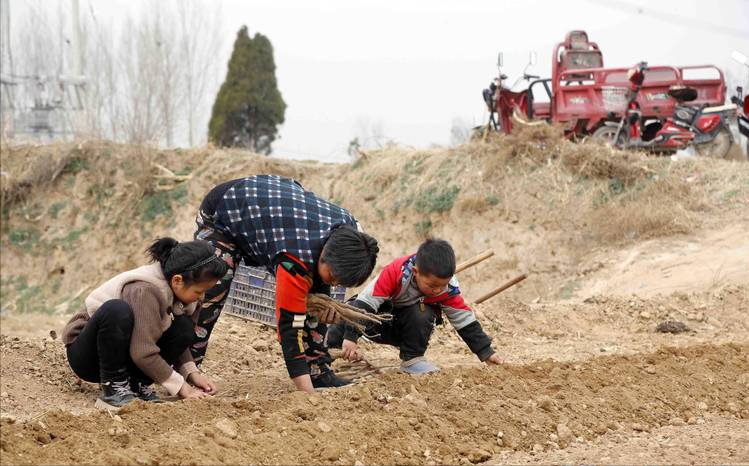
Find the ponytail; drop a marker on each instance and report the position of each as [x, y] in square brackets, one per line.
[161, 249]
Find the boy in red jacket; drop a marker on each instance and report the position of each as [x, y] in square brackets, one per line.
[418, 290]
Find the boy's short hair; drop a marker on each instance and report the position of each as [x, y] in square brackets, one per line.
[351, 255]
[436, 257]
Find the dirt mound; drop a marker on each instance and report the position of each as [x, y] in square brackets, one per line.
[456, 416]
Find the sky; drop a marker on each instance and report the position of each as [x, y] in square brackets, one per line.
[412, 67]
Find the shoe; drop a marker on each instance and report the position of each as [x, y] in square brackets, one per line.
[144, 391]
[328, 379]
[418, 366]
[115, 395]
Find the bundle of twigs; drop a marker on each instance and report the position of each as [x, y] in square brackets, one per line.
[317, 303]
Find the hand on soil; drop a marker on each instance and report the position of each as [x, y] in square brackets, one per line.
[203, 383]
[494, 359]
[350, 351]
[188, 391]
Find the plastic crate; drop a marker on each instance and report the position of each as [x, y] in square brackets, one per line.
[252, 295]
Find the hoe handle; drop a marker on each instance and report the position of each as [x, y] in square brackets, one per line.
[496, 291]
[474, 260]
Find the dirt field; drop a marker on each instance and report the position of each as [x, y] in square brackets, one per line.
[587, 378]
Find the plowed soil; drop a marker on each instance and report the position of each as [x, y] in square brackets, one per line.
[565, 395]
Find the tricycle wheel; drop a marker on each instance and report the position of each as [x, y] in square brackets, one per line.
[718, 147]
[607, 134]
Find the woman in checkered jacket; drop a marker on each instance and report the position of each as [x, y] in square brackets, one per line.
[308, 243]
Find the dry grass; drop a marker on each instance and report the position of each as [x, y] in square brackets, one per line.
[536, 177]
[22, 171]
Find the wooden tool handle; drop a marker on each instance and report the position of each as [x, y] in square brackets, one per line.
[496, 291]
[474, 260]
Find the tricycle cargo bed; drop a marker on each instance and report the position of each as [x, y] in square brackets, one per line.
[578, 93]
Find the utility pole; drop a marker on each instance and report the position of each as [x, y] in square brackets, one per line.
[7, 80]
[76, 45]
[7, 56]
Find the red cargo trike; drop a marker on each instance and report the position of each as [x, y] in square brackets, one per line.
[590, 100]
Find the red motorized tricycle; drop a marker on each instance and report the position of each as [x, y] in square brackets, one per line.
[677, 106]
[689, 124]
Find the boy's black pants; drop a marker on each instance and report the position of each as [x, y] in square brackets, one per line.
[102, 350]
[409, 330]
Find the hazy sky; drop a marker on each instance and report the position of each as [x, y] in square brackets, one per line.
[413, 66]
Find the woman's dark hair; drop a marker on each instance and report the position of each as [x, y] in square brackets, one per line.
[436, 257]
[196, 261]
[351, 255]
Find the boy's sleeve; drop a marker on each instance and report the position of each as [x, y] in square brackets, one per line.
[374, 294]
[292, 286]
[463, 319]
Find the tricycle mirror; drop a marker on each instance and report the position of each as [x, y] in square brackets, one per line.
[739, 57]
[499, 59]
[532, 58]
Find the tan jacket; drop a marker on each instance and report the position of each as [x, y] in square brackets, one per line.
[153, 303]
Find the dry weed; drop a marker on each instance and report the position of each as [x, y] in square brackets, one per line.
[595, 160]
[28, 167]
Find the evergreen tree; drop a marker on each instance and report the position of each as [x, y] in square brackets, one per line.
[249, 106]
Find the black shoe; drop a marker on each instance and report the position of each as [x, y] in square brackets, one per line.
[114, 395]
[328, 379]
[144, 391]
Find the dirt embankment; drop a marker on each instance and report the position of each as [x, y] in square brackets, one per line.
[76, 214]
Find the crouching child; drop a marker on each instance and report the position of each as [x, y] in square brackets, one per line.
[418, 290]
[137, 327]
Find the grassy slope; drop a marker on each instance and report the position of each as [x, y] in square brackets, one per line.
[73, 215]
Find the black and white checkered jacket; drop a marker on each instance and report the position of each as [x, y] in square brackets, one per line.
[268, 214]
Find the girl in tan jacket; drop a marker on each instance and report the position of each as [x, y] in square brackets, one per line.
[137, 327]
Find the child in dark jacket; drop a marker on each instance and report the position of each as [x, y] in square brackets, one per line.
[136, 328]
[417, 289]
[306, 242]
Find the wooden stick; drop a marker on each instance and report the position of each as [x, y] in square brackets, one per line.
[496, 291]
[474, 260]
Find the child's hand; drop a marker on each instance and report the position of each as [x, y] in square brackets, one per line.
[328, 316]
[203, 383]
[493, 360]
[350, 350]
[188, 391]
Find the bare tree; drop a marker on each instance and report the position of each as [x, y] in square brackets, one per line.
[199, 22]
[169, 91]
[149, 77]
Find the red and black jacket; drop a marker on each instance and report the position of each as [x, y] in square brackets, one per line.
[396, 284]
